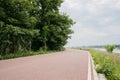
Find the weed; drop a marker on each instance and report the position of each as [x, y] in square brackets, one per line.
[23, 54]
[109, 64]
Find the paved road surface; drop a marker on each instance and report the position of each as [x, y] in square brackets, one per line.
[66, 65]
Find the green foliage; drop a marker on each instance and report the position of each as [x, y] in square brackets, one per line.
[110, 48]
[108, 64]
[16, 26]
[54, 27]
[23, 54]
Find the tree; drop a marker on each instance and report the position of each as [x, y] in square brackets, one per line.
[32, 25]
[59, 31]
[17, 25]
[54, 27]
[110, 48]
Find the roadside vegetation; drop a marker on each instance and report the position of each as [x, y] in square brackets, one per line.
[108, 64]
[23, 54]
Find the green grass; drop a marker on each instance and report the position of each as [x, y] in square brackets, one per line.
[23, 54]
[109, 64]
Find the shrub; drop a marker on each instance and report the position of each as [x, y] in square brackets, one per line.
[109, 48]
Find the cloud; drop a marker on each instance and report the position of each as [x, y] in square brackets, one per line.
[97, 21]
[72, 3]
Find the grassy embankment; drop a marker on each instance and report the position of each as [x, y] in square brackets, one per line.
[23, 54]
[108, 64]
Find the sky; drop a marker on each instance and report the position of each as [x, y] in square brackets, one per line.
[97, 21]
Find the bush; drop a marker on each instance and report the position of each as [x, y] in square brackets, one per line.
[109, 48]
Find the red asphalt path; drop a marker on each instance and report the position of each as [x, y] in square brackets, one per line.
[65, 65]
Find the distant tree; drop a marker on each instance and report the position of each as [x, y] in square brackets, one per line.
[109, 48]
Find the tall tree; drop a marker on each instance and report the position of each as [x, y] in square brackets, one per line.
[54, 27]
[36, 24]
[17, 25]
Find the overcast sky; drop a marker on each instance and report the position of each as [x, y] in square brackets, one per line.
[97, 21]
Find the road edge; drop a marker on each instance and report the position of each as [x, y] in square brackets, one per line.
[89, 67]
[92, 74]
[95, 76]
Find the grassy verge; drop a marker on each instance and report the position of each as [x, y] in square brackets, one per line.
[23, 54]
[108, 64]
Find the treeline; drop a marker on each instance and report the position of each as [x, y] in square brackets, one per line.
[32, 25]
[101, 46]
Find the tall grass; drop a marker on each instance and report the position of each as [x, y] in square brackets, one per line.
[108, 64]
[23, 54]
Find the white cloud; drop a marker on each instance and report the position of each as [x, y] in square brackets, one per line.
[112, 30]
[72, 3]
[96, 21]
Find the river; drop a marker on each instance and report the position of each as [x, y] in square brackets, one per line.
[116, 50]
